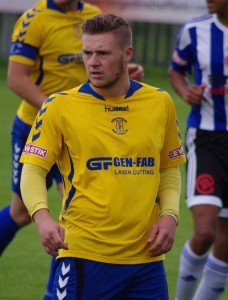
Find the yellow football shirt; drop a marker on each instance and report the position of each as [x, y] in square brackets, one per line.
[49, 39]
[110, 152]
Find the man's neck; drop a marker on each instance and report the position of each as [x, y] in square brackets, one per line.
[115, 91]
[71, 6]
[223, 18]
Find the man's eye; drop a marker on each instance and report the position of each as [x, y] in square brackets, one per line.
[87, 53]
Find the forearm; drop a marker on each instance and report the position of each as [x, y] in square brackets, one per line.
[33, 188]
[179, 82]
[20, 83]
[191, 93]
[169, 191]
[28, 91]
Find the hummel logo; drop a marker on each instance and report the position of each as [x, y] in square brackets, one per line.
[62, 282]
[65, 269]
[61, 295]
[116, 108]
[16, 148]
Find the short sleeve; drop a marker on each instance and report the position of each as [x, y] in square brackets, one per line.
[44, 143]
[172, 153]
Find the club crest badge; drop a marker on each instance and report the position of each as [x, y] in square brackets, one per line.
[119, 126]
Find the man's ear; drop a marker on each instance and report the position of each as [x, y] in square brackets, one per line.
[128, 53]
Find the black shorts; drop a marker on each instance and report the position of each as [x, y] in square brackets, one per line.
[207, 168]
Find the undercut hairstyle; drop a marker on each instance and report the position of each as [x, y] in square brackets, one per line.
[104, 23]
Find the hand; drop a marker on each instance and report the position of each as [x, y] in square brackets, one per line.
[50, 232]
[194, 94]
[136, 71]
[162, 235]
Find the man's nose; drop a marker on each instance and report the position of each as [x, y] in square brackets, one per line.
[94, 59]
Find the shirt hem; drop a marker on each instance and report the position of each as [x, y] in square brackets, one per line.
[111, 260]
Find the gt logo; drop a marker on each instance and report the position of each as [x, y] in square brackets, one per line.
[99, 163]
[67, 58]
[103, 163]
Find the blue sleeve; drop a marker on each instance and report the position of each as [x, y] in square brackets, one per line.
[22, 49]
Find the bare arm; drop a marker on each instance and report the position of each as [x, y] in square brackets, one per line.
[20, 83]
[191, 94]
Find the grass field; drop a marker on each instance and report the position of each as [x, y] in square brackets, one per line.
[24, 266]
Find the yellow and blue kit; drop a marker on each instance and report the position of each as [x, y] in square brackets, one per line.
[110, 153]
[49, 39]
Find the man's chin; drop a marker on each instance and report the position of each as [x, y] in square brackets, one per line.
[99, 84]
[96, 83]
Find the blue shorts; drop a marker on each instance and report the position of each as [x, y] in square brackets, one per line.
[82, 279]
[20, 132]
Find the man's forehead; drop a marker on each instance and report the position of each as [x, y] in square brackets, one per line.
[100, 41]
[99, 36]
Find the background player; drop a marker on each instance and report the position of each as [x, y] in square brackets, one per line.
[203, 44]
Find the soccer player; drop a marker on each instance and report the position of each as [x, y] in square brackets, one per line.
[117, 145]
[202, 44]
[46, 56]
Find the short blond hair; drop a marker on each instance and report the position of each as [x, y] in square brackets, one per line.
[107, 22]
